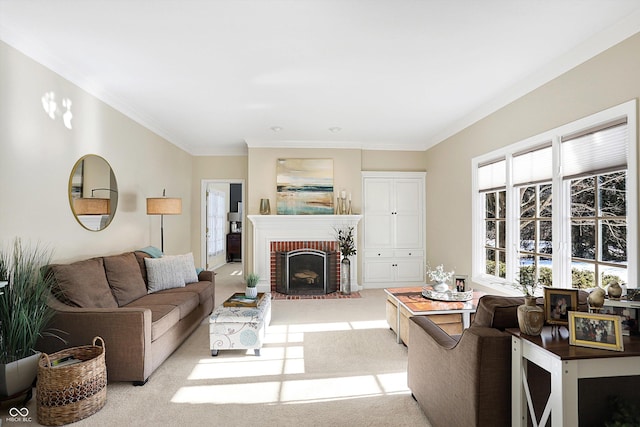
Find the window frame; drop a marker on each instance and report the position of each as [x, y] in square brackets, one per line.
[561, 224]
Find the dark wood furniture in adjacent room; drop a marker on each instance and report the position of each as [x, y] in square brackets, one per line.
[234, 247]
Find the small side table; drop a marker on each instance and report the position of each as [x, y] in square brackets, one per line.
[566, 364]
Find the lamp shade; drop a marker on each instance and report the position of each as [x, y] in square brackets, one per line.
[235, 217]
[164, 206]
[91, 206]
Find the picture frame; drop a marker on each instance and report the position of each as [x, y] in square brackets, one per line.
[633, 294]
[628, 318]
[595, 330]
[460, 283]
[557, 305]
[304, 186]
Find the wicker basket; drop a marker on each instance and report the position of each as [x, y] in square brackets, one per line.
[66, 394]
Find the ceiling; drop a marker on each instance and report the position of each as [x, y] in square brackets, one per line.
[214, 77]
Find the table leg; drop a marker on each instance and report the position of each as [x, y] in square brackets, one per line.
[466, 319]
[398, 340]
[517, 396]
[564, 393]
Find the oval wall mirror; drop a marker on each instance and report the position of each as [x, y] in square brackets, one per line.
[93, 192]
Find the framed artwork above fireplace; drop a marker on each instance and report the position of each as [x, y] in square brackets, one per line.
[304, 187]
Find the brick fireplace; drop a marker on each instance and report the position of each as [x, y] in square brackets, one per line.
[274, 233]
[316, 265]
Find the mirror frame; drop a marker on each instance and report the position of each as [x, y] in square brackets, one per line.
[113, 193]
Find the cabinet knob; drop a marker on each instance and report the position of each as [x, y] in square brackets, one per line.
[409, 253]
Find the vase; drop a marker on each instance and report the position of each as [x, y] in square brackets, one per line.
[265, 207]
[530, 317]
[441, 287]
[614, 290]
[251, 292]
[345, 276]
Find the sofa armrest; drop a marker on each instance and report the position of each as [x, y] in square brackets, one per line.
[126, 332]
[460, 382]
[207, 276]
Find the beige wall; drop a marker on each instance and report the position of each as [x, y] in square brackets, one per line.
[608, 79]
[37, 155]
[394, 161]
[262, 180]
[347, 167]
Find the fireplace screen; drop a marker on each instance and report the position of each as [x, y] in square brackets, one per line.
[306, 272]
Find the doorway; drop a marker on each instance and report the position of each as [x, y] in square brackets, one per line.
[222, 216]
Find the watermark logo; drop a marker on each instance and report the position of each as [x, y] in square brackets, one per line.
[18, 415]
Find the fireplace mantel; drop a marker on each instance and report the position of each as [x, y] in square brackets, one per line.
[284, 228]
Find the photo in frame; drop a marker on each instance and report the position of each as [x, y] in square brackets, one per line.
[558, 303]
[628, 317]
[460, 283]
[633, 294]
[595, 330]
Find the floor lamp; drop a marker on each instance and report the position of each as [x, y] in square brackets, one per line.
[163, 206]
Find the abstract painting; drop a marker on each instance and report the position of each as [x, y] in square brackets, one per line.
[305, 186]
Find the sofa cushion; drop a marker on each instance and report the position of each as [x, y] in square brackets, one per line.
[203, 289]
[140, 256]
[164, 273]
[125, 280]
[83, 284]
[186, 302]
[163, 318]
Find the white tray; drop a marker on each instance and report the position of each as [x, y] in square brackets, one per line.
[447, 295]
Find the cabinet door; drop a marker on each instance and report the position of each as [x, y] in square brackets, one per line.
[378, 271]
[408, 201]
[378, 220]
[409, 270]
[378, 267]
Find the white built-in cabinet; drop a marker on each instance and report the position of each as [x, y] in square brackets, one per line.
[393, 226]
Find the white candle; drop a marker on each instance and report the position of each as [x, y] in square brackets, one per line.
[343, 194]
[349, 196]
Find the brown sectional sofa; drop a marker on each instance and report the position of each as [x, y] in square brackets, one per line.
[112, 297]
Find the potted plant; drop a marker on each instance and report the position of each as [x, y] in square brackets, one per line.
[251, 291]
[24, 314]
[530, 316]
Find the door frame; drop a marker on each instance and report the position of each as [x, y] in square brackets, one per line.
[203, 217]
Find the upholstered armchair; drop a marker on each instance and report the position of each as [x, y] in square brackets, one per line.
[465, 380]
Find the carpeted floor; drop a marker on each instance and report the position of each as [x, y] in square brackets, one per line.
[329, 362]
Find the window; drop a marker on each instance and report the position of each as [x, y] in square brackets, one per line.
[215, 222]
[559, 206]
[536, 242]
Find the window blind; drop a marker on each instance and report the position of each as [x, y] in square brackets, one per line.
[597, 150]
[492, 175]
[533, 166]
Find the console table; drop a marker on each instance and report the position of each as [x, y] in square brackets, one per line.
[566, 364]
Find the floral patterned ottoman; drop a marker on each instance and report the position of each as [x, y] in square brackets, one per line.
[239, 327]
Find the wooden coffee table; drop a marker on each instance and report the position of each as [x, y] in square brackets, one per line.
[403, 303]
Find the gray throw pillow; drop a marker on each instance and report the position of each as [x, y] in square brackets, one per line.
[164, 273]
